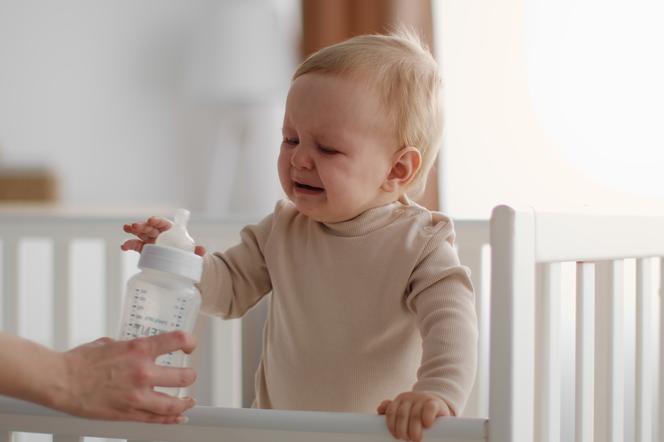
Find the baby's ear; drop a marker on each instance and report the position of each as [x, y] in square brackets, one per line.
[405, 164]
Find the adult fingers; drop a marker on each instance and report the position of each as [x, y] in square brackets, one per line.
[402, 419]
[415, 424]
[171, 341]
[173, 376]
[140, 415]
[164, 405]
[101, 341]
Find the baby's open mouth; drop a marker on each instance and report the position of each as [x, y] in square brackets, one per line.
[308, 188]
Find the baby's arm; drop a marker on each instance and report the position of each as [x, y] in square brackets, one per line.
[235, 280]
[232, 281]
[443, 301]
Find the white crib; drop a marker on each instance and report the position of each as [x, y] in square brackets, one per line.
[526, 397]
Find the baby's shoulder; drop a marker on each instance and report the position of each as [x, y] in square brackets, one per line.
[428, 223]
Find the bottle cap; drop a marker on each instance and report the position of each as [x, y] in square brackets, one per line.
[171, 260]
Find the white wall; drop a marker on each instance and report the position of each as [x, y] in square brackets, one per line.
[98, 92]
[550, 103]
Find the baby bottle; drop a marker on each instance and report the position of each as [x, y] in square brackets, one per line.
[162, 296]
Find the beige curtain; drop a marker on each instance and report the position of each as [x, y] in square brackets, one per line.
[325, 22]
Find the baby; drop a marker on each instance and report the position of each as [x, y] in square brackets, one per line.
[370, 309]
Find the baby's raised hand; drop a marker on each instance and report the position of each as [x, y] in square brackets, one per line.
[412, 411]
[148, 232]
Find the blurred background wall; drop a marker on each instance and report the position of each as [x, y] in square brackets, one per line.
[551, 103]
[163, 103]
[107, 97]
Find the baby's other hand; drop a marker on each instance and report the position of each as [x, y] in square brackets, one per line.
[412, 411]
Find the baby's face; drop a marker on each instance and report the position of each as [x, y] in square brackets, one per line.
[338, 147]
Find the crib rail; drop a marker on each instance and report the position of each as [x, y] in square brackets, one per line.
[219, 377]
[616, 353]
[228, 350]
[616, 318]
[211, 424]
[232, 348]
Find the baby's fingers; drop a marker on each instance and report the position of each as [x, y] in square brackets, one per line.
[145, 231]
[148, 230]
[415, 425]
[141, 230]
[161, 224]
[429, 413]
[403, 419]
[382, 408]
[133, 244]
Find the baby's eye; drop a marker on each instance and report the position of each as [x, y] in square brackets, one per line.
[291, 141]
[327, 150]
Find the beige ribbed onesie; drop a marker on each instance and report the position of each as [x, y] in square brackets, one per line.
[361, 310]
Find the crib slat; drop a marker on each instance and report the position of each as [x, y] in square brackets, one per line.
[113, 284]
[643, 384]
[660, 401]
[470, 254]
[10, 269]
[227, 385]
[609, 352]
[511, 396]
[585, 359]
[547, 360]
[62, 294]
[219, 381]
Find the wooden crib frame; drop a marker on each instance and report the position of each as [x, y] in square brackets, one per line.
[518, 383]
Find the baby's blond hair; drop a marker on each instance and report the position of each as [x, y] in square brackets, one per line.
[406, 77]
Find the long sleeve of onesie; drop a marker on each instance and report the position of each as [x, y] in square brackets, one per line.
[442, 299]
[235, 280]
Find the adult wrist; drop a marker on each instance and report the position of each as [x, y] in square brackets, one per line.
[56, 387]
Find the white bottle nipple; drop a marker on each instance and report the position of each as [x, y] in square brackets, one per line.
[177, 236]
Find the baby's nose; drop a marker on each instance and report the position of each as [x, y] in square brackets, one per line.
[301, 159]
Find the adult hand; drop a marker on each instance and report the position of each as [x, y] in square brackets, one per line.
[114, 380]
[412, 411]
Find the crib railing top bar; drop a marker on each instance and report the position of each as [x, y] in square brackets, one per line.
[101, 228]
[9, 219]
[13, 413]
[48, 224]
[592, 236]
